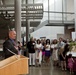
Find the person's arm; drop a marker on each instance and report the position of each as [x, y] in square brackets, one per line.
[72, 59]
[62, 55]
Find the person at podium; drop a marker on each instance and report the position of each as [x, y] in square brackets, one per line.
[9, 46]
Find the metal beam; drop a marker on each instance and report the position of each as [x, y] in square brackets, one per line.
[23, 9]
[28, 18]
[8, 12]
[12, 5]
[59, 12]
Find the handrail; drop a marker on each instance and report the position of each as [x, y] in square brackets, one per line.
[59, 12]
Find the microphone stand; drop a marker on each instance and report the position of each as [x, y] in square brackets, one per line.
[12, 52]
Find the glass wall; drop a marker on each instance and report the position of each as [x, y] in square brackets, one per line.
[70, 10]
[56, 10]
[61, 10]
[52, 7]
[30, 1]
[38, 1]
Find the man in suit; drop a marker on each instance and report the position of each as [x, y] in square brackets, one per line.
[10, 44]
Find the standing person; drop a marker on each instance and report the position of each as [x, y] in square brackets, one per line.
[43, 52]
[62, 59]
[10, 44]
[47, 51]
[38, 53]
[55, 52]
[31, 50]
[60, 46]
[66, 49]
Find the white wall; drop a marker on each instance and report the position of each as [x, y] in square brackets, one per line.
[49, 32]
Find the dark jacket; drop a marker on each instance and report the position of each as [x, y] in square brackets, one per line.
[30, 46]
[8, 44]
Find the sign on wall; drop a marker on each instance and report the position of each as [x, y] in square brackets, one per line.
[73, 36]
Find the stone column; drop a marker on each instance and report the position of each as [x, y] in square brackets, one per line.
[3, 2]
[27, 31]
[27, 25]
[18, 18]
[75, 13]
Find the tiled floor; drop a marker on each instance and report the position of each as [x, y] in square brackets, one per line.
[47, 70]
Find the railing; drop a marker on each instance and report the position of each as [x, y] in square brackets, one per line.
[29, 11]
[62, 17]
[55, 19]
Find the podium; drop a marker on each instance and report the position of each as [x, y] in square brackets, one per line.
[14, 65]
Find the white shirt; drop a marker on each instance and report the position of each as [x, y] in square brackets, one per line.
[47, 47]
[39, 46]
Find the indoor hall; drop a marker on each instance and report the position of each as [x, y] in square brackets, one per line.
[40, 19]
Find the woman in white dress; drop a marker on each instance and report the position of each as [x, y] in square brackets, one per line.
[38, 53]
[55, 52]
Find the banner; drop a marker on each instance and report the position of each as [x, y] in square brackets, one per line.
[73, 36]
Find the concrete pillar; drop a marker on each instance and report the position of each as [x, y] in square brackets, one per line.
[18, 18]
[27, 25]
[27, 31]
[3, 2]
[75, 13]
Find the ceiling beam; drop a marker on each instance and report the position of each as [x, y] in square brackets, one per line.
[12, 5]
